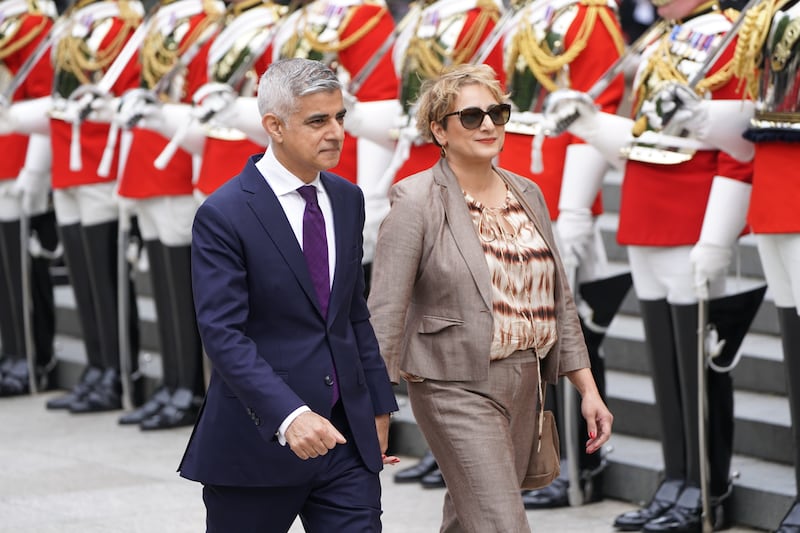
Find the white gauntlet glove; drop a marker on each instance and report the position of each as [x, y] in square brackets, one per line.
[576, 234]
[676, 107]
[576, 112]
[723, 221]
[26, 117]
[584, 170]
[720, 123]
[33, 182]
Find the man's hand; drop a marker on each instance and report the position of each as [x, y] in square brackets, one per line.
[575, 229]
[570, 111]
[382, 427]
[676, 107]
[311, 435]
[709, 262]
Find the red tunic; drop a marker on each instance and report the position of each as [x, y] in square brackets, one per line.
[587, 67]
[141, 178]
[381, 84]
[775, 199]
[664, 205]
[37, 84]
[93, 136]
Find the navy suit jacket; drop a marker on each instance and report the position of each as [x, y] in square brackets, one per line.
[267, 340]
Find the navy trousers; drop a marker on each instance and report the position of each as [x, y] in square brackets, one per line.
[345, 497]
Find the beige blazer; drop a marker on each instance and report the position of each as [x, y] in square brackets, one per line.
[431, 291]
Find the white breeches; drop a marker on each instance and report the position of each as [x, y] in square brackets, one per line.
[780, 259]
[87, 204]
[166, 218]
[661, 272]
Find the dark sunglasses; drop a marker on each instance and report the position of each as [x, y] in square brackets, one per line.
[472, 117]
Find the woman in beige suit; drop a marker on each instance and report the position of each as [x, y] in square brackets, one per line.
[471, 306]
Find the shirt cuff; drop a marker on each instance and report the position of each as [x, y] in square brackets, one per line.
[288, 421]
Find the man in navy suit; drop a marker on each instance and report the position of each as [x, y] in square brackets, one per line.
[296, 418]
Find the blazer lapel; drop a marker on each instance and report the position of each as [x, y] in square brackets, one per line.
[270, 214]
[462, 228]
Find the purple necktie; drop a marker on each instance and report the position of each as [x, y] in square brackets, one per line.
[315, 249]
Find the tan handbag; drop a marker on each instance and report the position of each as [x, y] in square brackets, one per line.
[544, 464]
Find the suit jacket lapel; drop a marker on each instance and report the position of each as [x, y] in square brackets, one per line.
[462, 228]
[270, 214]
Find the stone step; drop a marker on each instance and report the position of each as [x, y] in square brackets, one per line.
[762, 421]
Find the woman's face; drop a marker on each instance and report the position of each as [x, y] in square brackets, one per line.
[464, 145]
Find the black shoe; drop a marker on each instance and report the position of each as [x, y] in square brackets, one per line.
[415, 473]
[14, 379]
[181, 411]
[552, 496]
[663, 500]
[791, 522]
[150, 408]
[105, 395]
[90, 376]
[686, 516]
[433, 480]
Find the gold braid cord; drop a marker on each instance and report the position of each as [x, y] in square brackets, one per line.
[543, 63]
[431, 56]
[341, 44]
[10, 44]
[160, 52]
[73, 55]
[750, 44]
[664, 65]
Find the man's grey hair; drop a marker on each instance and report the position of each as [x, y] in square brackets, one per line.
[288, 79]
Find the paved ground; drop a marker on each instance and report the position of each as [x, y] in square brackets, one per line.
[63, 473]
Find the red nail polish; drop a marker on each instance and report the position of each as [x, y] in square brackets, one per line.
[592, 435]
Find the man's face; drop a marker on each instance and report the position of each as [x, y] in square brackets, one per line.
[311, 139]
[675, 9]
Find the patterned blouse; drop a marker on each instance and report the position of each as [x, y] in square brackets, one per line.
[522, 270]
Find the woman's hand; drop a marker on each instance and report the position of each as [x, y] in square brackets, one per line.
[598, 418]
[598, 421]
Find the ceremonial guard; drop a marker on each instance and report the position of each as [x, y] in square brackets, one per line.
[173, 66]
[683, 204]
[27, 314]
[236, 58]
[85, 50]
[774, 55]
[552, 44]
[437, 34]
[354, 37]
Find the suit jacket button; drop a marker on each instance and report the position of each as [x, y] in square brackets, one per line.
[329, 381]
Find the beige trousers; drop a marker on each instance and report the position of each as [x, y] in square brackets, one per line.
[481, 433]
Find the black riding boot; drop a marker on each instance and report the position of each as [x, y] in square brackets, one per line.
[666, 384]
[12, 330]
[166, 340]
[100, 249]
[78, 270]
[14, 380]
[686, 515]
[44, 309]
[188, 351]
[790, 337]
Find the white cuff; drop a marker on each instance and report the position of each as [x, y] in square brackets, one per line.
[288, 422]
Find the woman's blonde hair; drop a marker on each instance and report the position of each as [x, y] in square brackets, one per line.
[437, 96]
